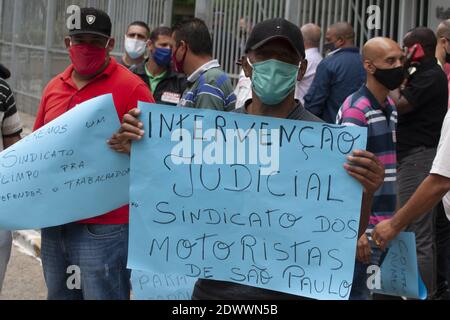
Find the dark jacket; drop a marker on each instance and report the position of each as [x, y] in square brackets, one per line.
[338, 76]
[169, 90]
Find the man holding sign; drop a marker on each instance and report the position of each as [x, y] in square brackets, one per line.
[93, 252]
[274, 52]
[10, 129]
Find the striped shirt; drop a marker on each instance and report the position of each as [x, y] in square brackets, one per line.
[10, 124]
[209, 88]
[362, 109]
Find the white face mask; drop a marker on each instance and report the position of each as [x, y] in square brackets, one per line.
[135, 48]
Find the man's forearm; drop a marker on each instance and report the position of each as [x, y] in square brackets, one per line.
[427, 196]
[366, 210]
[9, 141]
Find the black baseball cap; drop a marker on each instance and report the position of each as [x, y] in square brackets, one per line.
[93, 21]
[4, 72]
[278, 28]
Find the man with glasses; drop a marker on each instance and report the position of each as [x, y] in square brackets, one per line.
[98, 247]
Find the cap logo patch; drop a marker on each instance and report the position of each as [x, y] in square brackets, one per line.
[90, 19]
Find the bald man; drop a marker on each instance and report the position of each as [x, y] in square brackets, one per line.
[338, 76]
[443, 47]
[312, 35]
[372, 108]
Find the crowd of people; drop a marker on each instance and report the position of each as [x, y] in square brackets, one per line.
[398, 91]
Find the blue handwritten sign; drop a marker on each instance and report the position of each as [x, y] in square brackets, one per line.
[399, 273]
[257, 201]
[153, 286]
[65, 171]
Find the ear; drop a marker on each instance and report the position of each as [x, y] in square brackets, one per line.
[370, 68]
[67, 42]
[302, 70]
[150, 45]
[111, 45]
[184, 45]
[248, 70]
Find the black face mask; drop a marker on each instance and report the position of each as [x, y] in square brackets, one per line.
[329, 47]
[390, 78]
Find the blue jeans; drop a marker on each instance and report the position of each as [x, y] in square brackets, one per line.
[5, 253]
[99, 252]
[360, 290]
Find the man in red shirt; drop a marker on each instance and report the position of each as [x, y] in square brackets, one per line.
[88, 260]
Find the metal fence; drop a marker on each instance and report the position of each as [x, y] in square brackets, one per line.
[32, 37]
[231, 21]
[396, 16]
[32, 32]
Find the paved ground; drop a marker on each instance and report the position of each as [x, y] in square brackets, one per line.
[24, 278]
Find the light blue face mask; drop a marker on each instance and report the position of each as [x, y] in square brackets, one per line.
[273, 80]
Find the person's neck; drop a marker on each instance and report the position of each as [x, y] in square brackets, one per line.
[131, 62]
[348, 45]
[379, 91]
[307, 47]
[154, 68]
[81, 81]
[428, 60]
[282, 110]
[193, 63]
[440, 56]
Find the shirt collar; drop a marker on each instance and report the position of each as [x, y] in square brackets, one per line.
[312, 50]
[207, 66]
[350, 49]
[374, 102]
[149, 74]
[294, 115]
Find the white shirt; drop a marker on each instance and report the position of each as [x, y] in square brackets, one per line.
[441, 165]
[243, 90]
[314, 59]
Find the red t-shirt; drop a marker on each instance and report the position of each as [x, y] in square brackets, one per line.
[61, 95]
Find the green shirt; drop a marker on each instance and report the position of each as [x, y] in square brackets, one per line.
[154, 81]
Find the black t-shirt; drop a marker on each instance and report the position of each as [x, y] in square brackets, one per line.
[427, 92]
[220, 290]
